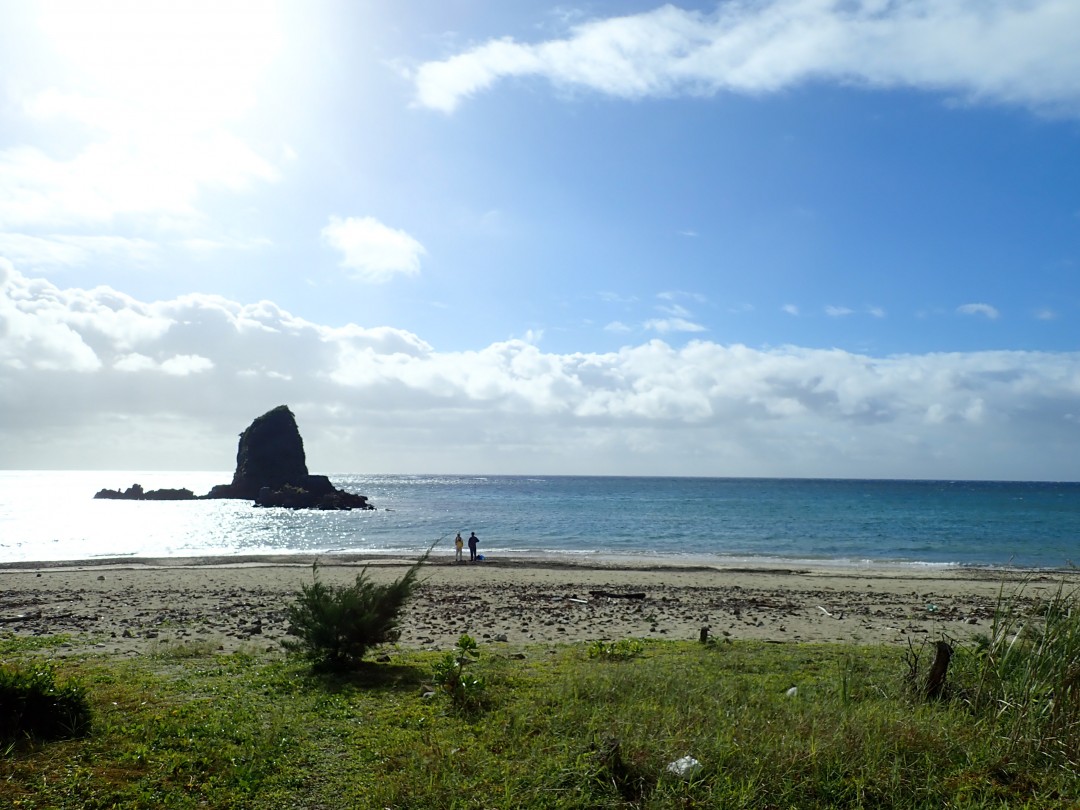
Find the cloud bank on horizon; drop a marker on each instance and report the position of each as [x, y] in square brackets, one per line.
[777, 238]
[201, 366]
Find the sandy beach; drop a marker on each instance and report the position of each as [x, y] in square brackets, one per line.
[132, 607]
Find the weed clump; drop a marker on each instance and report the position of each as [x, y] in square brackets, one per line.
[450, 673]
[33, 704]
[336, 625]
[1024, 678]
[621, 650]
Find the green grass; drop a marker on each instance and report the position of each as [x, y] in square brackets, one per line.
[560, 728]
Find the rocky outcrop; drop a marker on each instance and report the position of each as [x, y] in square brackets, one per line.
[136, 493]
[270, 454]
[271, 470]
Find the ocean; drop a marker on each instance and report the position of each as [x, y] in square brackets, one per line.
[52, 516]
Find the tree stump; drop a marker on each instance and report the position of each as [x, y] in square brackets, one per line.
[935, 681]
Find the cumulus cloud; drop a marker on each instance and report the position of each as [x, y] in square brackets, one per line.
[79, 368]
[1003, 51]
[838, 312]
[985, 310]
[372, 251]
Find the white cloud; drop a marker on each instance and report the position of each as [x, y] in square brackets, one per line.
[673, 324]
[153, 173]
[205, 245]
[790, 309]
[978, 309]
[675, 310]
[877, 312]
[67, 250]
[838, 312]
[1004, 51]
[135, 117]
[616, 326]
[194, 370]
[672, 295]
[372, 251]
[182, 365]
[609, 297]
[177, 366]
[1046, 314]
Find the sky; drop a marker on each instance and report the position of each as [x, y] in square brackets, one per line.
[792, 238]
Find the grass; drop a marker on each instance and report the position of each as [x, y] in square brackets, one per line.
[561, 728]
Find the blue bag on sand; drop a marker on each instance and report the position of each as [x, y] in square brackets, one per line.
[479, 556]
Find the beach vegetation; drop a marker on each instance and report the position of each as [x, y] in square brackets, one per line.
[454, 676]
[33, 704]
[336, 625]
[622, 650]
[185, 649]
[770, 725]
[1023, 678]
[11, 643]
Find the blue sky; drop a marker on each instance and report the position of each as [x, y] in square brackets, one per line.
[782, 237]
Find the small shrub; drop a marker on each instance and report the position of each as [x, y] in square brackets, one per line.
[466, 689]
[337, 625]
[33, 704]
[622, 650]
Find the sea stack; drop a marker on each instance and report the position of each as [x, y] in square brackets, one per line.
[270, 454]
[271, 469]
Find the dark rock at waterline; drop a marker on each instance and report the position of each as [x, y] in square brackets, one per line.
[271, 470]
[315, 496]
[136, 493]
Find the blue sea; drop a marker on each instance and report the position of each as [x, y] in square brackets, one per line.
[51, 516]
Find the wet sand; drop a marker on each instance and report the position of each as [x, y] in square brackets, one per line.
[132, 607]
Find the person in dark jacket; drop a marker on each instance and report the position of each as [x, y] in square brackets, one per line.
[473, 540]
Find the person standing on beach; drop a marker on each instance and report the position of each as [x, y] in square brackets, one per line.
[473, 540]
[459, 544]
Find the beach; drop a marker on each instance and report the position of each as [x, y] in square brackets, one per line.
[133, 607]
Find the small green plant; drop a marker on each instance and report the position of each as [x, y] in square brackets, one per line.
[622, 650]
[337, 625]
[449, 674]
[33, 704]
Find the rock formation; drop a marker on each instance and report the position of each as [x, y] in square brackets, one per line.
[271, 470]
[136, 493]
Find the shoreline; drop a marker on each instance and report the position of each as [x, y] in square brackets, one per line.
[136, 606]
[592, 561]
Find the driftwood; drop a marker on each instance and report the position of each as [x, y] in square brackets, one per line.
[617, 595]
[24, 618]
[29, 617]
[935, 680]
